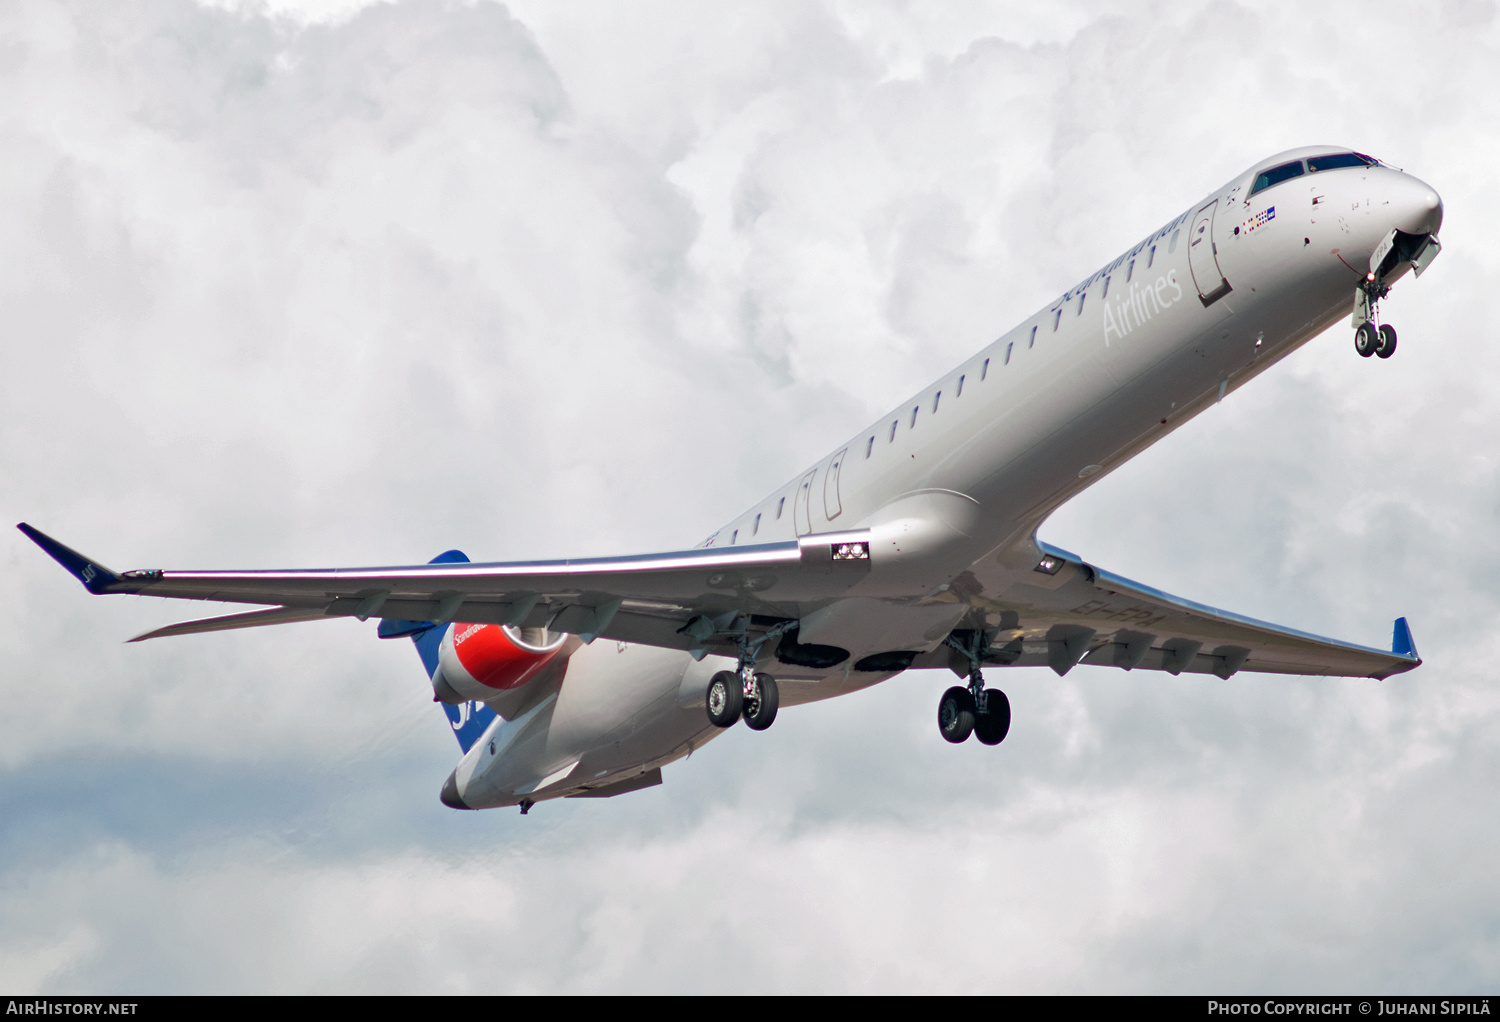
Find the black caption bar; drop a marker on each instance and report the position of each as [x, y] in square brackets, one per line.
[1238, 1006]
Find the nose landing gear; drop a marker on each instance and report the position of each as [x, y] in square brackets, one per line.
[1370, 339]
[982, 712]
[1390, 259]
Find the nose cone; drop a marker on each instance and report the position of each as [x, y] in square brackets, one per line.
[450, 795]
[1418, 208]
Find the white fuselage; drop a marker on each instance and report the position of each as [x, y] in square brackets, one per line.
[958, 477]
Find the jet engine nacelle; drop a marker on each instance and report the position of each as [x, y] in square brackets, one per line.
[478, 662]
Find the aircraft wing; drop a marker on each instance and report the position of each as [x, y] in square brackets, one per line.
[694, 599]
[1083, 614]
[700, 600]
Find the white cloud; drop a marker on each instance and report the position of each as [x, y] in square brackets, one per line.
[333, 283]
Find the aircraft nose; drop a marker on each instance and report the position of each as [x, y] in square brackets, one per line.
[1419, 209]
[449, 795]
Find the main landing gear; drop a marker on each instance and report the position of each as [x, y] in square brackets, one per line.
[982, 712]
[743, 693]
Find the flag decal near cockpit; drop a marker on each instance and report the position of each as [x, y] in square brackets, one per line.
[1259, 220]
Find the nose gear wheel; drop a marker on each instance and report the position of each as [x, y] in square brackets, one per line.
[1385, 347]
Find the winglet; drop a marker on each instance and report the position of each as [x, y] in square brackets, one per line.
[96, 578]
[1401, 641]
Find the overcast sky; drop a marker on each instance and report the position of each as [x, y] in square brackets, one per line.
[307, 284]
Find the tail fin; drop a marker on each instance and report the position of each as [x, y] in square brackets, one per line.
[468, 720]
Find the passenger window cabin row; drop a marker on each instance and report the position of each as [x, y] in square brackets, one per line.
[734, 537]
[937, 399]
[984, 368]
[1057, 312]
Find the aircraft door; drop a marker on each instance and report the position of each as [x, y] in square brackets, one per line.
[801, 510]
[1203, 257]
[832, 507]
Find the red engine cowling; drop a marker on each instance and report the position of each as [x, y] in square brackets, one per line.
[480, 661]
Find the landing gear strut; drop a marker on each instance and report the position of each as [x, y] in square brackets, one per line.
[983, 712]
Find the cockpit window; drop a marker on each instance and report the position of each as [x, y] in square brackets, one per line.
[1266, 178]
[1337, 161]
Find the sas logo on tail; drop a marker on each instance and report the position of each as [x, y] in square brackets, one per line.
[461, 714]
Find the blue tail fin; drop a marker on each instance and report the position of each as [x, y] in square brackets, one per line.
[468, 720]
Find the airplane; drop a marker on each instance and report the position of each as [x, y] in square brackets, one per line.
[913, 544]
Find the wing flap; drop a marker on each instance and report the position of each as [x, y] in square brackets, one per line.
[254, 619]
[1098, 617]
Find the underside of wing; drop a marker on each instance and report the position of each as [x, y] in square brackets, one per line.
[699, 600]
[1076, 613]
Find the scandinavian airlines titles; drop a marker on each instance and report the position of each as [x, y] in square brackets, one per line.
[1139, 304]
